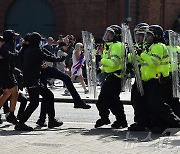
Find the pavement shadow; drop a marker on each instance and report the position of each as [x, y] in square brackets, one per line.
[175, 143]
[125, 135]
[114, 134]
[14, 132]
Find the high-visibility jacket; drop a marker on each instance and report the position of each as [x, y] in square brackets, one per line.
[112, 59]
[140, 47]
[156, 62]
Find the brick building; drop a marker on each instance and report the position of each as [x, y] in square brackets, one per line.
[54, 17]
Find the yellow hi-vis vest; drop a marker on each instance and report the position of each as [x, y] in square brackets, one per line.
[112, 58]
[156, 62]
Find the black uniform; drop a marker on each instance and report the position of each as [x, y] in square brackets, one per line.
[32, 60]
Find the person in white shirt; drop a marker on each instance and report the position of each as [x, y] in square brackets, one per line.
[76, 69]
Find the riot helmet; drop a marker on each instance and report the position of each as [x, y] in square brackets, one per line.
[140, 26]
[112, 34]
[156, 32]
[140, 31]
[166, 35]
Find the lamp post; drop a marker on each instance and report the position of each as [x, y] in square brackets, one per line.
[127, 17]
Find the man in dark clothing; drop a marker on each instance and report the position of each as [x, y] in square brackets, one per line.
[7, 78]
[33, 56]
[51, 72]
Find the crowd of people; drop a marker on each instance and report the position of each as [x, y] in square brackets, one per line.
[30, 68]
[35, 62]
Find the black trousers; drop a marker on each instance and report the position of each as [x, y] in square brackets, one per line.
[109, 99]
[139, 105]
[159, 111]
[51, 72]
[23, 102]
[34, 93]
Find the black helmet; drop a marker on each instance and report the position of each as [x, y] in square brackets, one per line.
[35, 39]
[115, 30]
[141, 26]
[157, 33]
[166, 33]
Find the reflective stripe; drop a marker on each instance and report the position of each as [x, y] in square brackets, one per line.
[166, 56]
[154, 55]
[144, 64]
[116, 56]
[115, 62]
[108, 52]
[155, 62]
[164, 63]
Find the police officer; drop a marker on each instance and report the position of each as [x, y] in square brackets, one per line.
[154, 73]
[112, 65]
[173, 102]
[137, 100]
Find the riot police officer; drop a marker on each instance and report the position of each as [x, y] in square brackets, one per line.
[155, 74]
[172, 101]
[111, 61]
[137, 100]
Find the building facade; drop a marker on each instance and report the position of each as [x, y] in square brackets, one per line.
[54, 17]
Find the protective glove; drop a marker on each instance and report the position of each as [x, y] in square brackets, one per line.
[98, 71]
[98, 58]
[139, 51]
[129, 68]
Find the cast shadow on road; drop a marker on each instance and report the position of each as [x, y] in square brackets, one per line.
[114, 134]
[110, 135]
[103, 134]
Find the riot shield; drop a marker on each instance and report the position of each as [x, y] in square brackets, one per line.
[125, 81]
[174, 41]
[127, 39]
[135, 63]
[90, 55]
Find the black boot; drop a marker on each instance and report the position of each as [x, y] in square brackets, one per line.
[41, 123]
[23, 127]
[54, 123]
[82, 105]
[101, 122]
[118, 124]
[137, 127]
[11, 118]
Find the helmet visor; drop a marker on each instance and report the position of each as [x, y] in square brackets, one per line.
[140, 36]
[108, 35]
